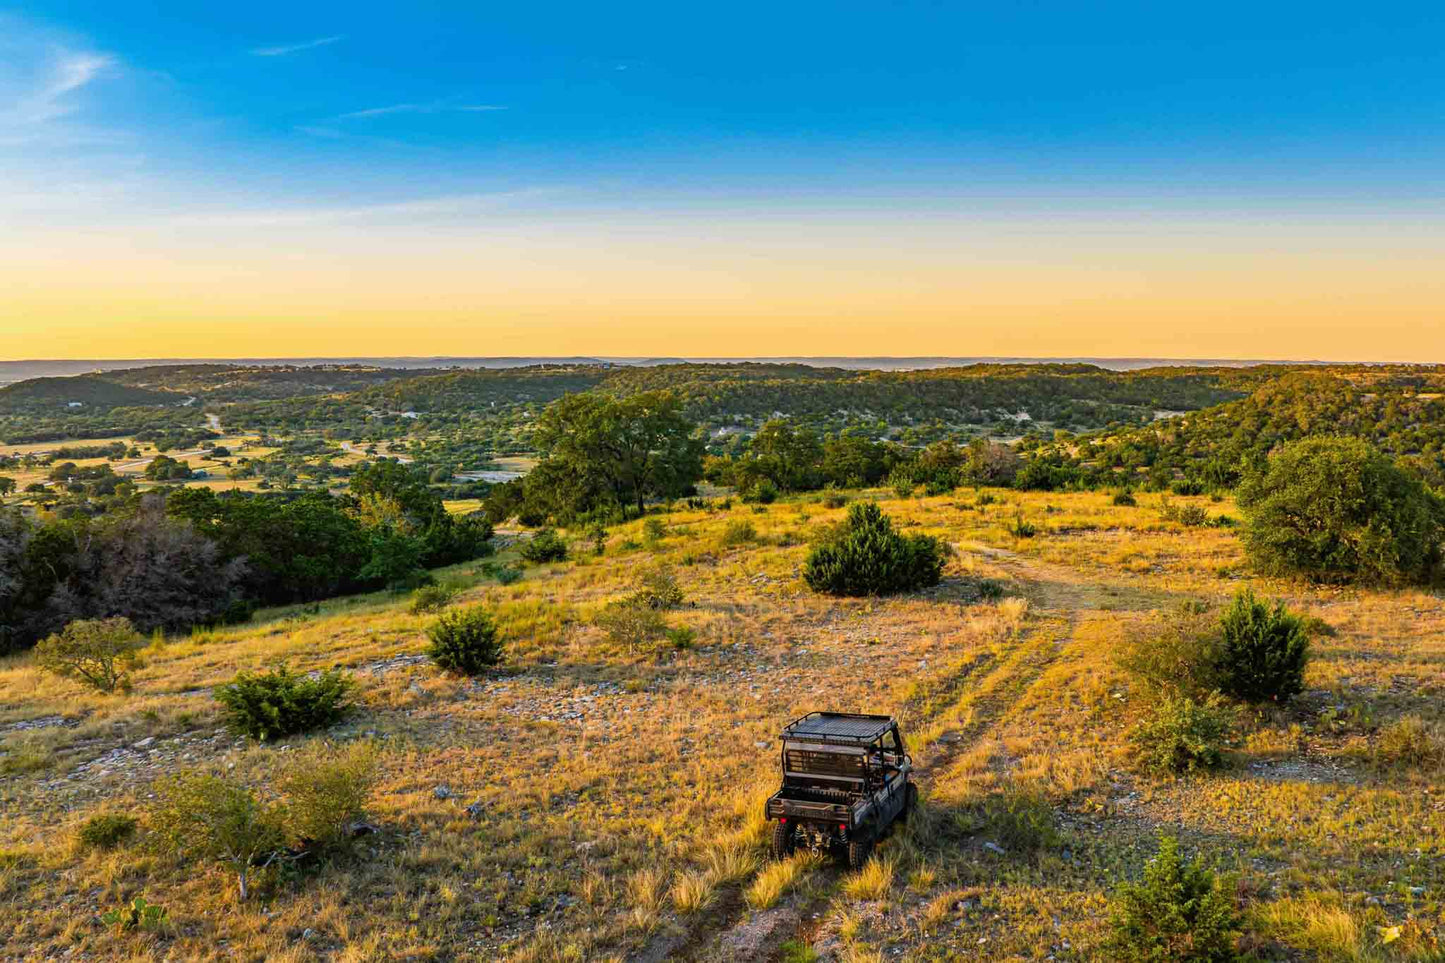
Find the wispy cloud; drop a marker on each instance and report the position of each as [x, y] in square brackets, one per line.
[282, 49]
[419, 109]
[49, 96]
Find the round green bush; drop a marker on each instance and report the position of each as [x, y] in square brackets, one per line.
[281, 702]
[1337, 510]
[545, 546]
[866, 556]
[465, 642]
[105, 831]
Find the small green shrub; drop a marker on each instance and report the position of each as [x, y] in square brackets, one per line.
[1263, 650]
[1187, 486]
[631, 622]
[105, 831]
[739, 532]
[326, 794]
[902, 483]
[545, 546]
[464, 641]
[280, 703]
[1021, 527]
[100, 652]
[653, 531]
[681, 637]
[1177, 652]
[762, 492]
[659, 588]
[866, 556]
[1125, 499]
[990, 590]
[985, 499]
[598, 536]
[200, 816]
[1187, 514]
[1178, 911]
[1182, 735]
[433, 598]
[834, 499]
[139, 915]
[798, 951]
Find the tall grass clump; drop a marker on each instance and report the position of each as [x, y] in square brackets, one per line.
[739, 532]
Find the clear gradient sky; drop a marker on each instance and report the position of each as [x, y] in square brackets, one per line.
[1227, 180]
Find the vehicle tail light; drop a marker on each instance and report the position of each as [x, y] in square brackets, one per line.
[842, 827]
[783, 820]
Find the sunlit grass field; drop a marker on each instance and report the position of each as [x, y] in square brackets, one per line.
[616, 795]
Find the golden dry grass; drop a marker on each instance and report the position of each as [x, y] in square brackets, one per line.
[620, 792]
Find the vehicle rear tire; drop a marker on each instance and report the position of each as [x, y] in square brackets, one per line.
[858, 852]
[783, 841]
[910, 802]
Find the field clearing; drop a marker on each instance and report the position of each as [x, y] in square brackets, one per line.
[616, 795]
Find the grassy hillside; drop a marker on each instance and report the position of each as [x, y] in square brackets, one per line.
[44, 395]
[228, 382]
[615, 796]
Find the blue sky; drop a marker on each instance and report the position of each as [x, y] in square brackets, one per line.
[201, 122]
[1284, 100]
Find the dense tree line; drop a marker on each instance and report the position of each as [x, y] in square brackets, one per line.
[192, 556]
[1217, 447]
[786, 457]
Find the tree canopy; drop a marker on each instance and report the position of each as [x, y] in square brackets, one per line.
[1336, 509]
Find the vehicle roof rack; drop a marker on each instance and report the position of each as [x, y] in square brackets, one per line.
[843, 728]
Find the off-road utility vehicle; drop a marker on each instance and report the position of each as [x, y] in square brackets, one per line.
[846, 778]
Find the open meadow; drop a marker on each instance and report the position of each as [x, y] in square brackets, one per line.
[586, 801]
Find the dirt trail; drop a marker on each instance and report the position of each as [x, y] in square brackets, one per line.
[984, 691]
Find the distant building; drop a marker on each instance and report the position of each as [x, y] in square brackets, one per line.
[75, 404]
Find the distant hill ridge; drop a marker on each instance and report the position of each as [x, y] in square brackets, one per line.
[12, 371]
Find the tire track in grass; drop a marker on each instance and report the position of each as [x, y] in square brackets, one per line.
[1014, 669]
[733, 931]
[953, 710]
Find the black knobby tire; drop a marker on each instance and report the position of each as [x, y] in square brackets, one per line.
[858, 852]
[783, 841]
[910, 802]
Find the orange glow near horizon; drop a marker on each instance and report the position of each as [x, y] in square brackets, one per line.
[726, 290]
